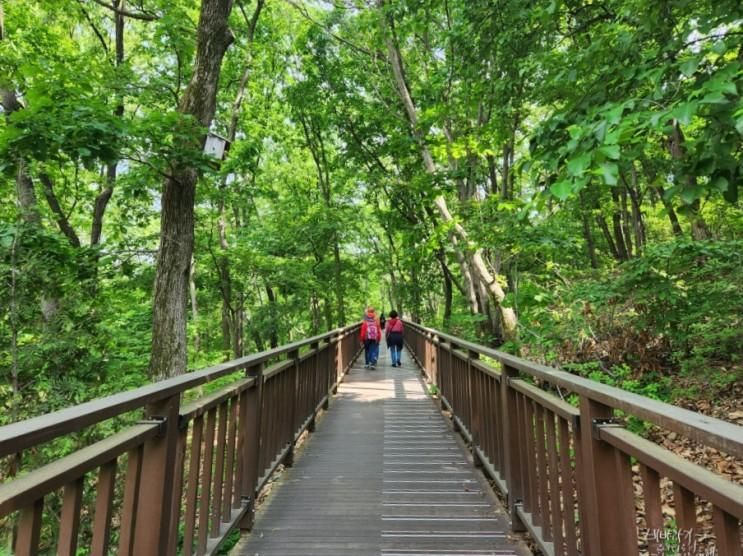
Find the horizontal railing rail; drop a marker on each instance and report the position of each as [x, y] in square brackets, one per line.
[574, 476]
[186, 475]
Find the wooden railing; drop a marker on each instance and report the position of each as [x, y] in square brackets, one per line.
[189, 472]
[571, 472]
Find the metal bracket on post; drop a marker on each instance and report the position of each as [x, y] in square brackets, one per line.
[160, 421]
[598, 424]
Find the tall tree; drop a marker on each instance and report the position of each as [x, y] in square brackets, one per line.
[169, 351]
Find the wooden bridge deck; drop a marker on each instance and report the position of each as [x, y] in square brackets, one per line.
[383, 474]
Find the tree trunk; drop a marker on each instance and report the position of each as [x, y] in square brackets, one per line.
[588, 236]
[492, 175]
[473, 260]
[273, 333]
[626, 224]
[101, 201]
[638, 224]
[699, 229]
[62, 221]
[169, 355]
[339, 293]
[616, 218]
[231, 318]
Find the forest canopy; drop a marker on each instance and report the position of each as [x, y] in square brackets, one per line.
[561, 178]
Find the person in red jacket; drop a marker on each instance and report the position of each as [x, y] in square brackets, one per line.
[394, 334]
[371, 334]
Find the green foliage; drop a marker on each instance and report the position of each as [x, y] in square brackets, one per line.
[594, 162]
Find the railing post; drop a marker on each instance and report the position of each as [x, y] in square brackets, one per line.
[251, 429]
[511, 437]
[289, 458]
[434, 361]
[338, 362]
[329, 361]
[608, 530]
[316, 382]
[155, 501]
[426, 359]
[475, 411]
[452, 391]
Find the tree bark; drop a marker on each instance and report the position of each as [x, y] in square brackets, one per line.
[169, 344]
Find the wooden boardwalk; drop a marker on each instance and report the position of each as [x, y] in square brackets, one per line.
[383, 475]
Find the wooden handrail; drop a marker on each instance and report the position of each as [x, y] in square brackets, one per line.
[19, 436]
[212, 454]
[567, 472]
[710, 431]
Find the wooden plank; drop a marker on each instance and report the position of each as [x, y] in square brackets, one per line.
[653, 510]
[568, 491]
[554, 484]
[206, 480]
[727, 533]
[131, 500]
[553, 403]
[192, 488]
[217, 494]
[230, 467]
[204, 404]
[103, 508]
[29, 529]
[69, 524]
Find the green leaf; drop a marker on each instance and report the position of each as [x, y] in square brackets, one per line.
[685, 112]
[615, 114]
[716, 97]
[689, 66]
[610, 172]
[611, 152]
[599, 130]
[689, 194]
[562, 189]
[579, 164]
[721, 184]
[719, 48]
[731, 193]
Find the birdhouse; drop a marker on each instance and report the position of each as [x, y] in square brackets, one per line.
[216, 146]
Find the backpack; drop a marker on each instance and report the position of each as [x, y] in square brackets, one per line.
[372, 332]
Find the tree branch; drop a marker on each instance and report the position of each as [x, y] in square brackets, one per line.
[126, 13]
[62, 221]
[94, 27]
